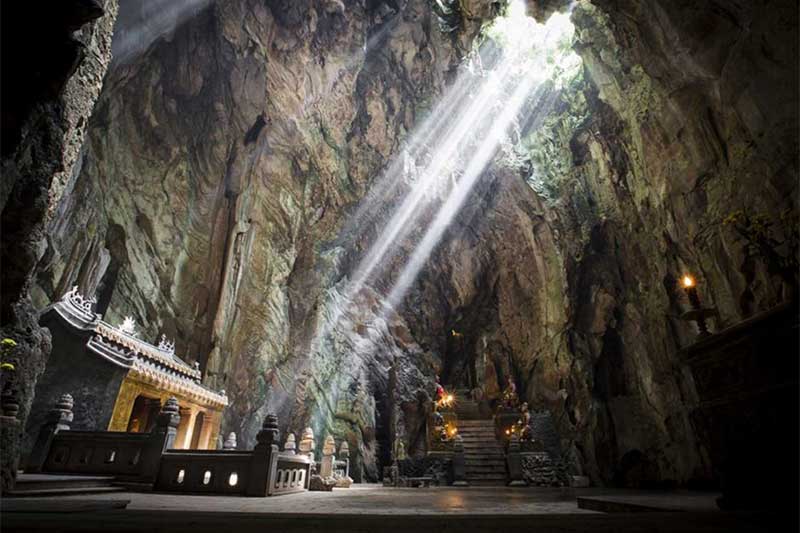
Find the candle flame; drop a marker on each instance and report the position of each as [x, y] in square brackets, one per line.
[687, 281]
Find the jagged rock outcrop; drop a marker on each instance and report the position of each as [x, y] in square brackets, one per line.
[222, 164]
[53, 69]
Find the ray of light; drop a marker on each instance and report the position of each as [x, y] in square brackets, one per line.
[455, 144]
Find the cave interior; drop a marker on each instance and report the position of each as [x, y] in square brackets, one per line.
[443, 233]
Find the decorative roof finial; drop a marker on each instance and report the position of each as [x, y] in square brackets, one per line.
[78, 300]
[128, 326]
[166, 346]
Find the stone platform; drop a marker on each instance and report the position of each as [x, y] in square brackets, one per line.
[372, 508]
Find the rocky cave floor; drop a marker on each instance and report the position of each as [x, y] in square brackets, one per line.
[370, 507]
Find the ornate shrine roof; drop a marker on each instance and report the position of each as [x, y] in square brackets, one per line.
[120, 345]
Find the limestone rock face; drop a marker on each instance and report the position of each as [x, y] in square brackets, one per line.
[218, 168]
[222, 166]
[53, 69]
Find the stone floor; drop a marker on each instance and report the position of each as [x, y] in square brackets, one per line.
[373, 508]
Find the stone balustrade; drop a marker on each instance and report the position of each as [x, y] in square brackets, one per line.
[129, 456]
[263, 471]
[147, 458]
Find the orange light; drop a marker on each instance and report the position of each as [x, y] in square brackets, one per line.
[687, 281]
[449, 398]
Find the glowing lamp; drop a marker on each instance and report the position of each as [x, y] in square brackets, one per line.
[698, 314]
[690, 286]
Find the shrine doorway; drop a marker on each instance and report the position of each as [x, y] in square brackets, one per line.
[143, 414]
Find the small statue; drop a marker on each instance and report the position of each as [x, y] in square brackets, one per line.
[290, 446]
[524, 423]
[400, 454]
[329, 446]
[307, 444]
[439, 393]
[230, 442]
[438, 420]
[510, 398]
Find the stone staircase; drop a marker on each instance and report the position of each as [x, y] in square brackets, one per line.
[484, 455]
[39, 485]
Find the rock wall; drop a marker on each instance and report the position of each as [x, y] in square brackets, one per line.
[221, 167]
[53, 69]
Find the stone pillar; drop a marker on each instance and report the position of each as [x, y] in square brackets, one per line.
[58, 419]
[459, 463]
[183, 438]
[328, 457]
[514, 461]
[161, 438]
[9, 439]
[212, 426]
[210, 421]
[262, 466]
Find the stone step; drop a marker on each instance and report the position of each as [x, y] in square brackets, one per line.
[485, 461]
[488, 482]
[64, 491]
[486, 476]
[484, 452]
[487, 469]
[59, 481]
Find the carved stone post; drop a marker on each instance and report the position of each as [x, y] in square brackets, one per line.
[344, 457]
[58, 419]
[230, 442]
[262, 464]
[307, 444]
[328, 457]
[290, 447]
[459, 463]
[341, 470]
[514, 461]
[162, 438]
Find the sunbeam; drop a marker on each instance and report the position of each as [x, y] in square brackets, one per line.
[434, 173]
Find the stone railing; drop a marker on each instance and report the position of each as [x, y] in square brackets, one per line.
[129, 456]
[264, 471]
[146, 458]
